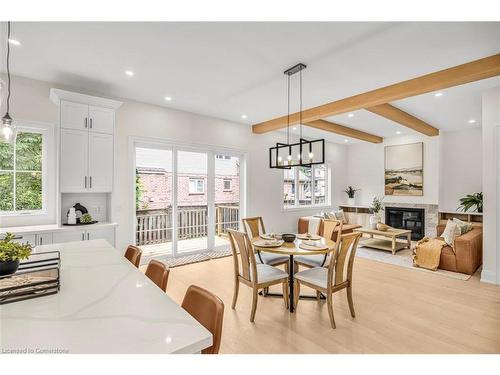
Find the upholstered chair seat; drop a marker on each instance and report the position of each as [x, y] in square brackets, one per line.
[266, 273]
[317, 276]
[271, 259]
[313, 260]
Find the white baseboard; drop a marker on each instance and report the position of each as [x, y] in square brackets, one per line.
[489, 277]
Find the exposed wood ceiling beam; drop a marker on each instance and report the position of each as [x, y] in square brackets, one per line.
[395, 114]
[344, 130]
[455, 76]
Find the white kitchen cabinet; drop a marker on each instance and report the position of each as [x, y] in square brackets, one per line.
[100, 169]
[44, 238]
[70, 236]
[25, 238]
[74, 115]
[74, 161]
[107, 234]
[101, 119]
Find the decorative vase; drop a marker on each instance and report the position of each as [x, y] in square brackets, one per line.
[374, 220]
[9, 267]
[350, 202]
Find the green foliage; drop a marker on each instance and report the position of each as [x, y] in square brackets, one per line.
[28, 181]
[350, 191]
[470, 201]
[12, 250]
[376, 206]
[139, 191]
[86, 218]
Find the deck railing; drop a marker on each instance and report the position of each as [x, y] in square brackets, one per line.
[156, 226]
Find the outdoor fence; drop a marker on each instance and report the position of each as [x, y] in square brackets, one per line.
[156, 226]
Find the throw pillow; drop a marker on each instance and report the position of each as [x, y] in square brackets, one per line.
[451, 232]
[464, 226]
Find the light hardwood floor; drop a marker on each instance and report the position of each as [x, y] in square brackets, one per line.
[398, 310]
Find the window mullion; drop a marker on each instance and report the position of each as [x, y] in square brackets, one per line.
[313, 187]
[296, 202]
[14, 187]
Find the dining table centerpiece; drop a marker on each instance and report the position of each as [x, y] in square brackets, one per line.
[11, 253]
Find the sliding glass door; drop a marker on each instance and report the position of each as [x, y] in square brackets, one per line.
[186, 199]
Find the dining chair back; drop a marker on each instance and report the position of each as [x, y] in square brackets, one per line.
[133, 254]
[329, 226]
[241, 244]
[341, 263]
[158, 273]
[254, 226]
[208, 310]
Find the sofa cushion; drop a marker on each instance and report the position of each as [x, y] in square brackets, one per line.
[451, 232]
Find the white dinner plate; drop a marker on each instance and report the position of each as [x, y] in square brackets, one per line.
[305, 236]
[268, 243]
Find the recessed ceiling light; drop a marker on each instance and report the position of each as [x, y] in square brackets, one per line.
[168, 98]
[243, 116]
[346, 140]
[129, 73]
[15, 42]
[398, 132]
[472, 121]
[438, 94]
[350, 115]
[294, 128]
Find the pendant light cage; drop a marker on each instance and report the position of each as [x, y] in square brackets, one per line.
[8, 132]
[303, 153]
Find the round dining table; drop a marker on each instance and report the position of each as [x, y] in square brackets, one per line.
[292, 249]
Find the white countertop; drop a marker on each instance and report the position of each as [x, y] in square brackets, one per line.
[54, 228]
[105, 305]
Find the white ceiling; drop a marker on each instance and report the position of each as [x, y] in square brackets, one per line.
[229, 69]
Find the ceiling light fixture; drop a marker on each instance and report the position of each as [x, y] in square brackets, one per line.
[346, 140]
[14, 42]
[350, 115]
[472, 121]
[8, 131]
[438, 94]
[129, 73]
[398, 132]
[243, 116]
[280, 156]
[168, 98]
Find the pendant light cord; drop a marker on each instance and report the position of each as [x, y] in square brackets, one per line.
[300, 77]
[288, 112]
[8, 67]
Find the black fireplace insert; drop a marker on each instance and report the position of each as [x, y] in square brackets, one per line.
[407, 218]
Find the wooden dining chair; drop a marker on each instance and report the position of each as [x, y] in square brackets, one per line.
[133, 254]
[254, 227]
[336, 277]
[208, 310]
[320, 260]
[158, 273]
[249, 272]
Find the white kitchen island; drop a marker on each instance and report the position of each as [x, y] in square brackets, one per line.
[105, 305]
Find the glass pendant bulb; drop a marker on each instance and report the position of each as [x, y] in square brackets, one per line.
[8, 132]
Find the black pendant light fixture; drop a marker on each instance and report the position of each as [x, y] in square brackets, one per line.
[303, 153]
[8, 132]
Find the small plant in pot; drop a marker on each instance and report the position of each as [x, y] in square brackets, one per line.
[375, 209]
[350, 191]
[472, 201]
[11, 253]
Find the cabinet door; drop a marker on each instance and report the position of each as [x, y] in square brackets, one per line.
[101, 119]
[69, 236]
[107, 234]
[44, 239]
[74, 115]
[25, 238]
[74, 161]
[100, 162]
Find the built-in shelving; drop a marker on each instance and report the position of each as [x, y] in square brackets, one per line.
[471, 217]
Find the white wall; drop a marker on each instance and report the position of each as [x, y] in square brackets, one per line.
[460, 166]
[365, 162]
[30, 101]
[491, 186]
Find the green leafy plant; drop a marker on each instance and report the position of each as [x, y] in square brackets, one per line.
[139, 191]
[471, 201]
[350, 191]
[10, 250]
[376, 206]
[86, 218]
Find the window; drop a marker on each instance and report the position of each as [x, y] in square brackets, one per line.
[21, 174]
[225, 157]
[196, 186]
[227, 185]
[305, 186]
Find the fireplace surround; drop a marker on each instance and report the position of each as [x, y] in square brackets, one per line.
[407, 218]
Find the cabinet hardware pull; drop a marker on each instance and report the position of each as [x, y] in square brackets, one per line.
[85, 122]
[85, 182]
[41, 240]
[91, 123]
[90, 178]
[88, 236]
[83, 236]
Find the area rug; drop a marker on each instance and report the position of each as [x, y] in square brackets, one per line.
[403, 258]
[219, 254]
[188, 259]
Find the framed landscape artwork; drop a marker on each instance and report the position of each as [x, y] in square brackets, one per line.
[404, 169]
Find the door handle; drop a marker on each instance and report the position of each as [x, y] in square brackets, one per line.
[85, 122]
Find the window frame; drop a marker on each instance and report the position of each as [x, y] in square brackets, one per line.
[224, 180]
[44, 131]
[297, 205]
[196, 183]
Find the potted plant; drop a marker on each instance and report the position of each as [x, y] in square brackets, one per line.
[11, 253]
[350, 191]
[375, 209]
[470, 201]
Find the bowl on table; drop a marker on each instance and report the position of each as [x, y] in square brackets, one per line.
[288, 237]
